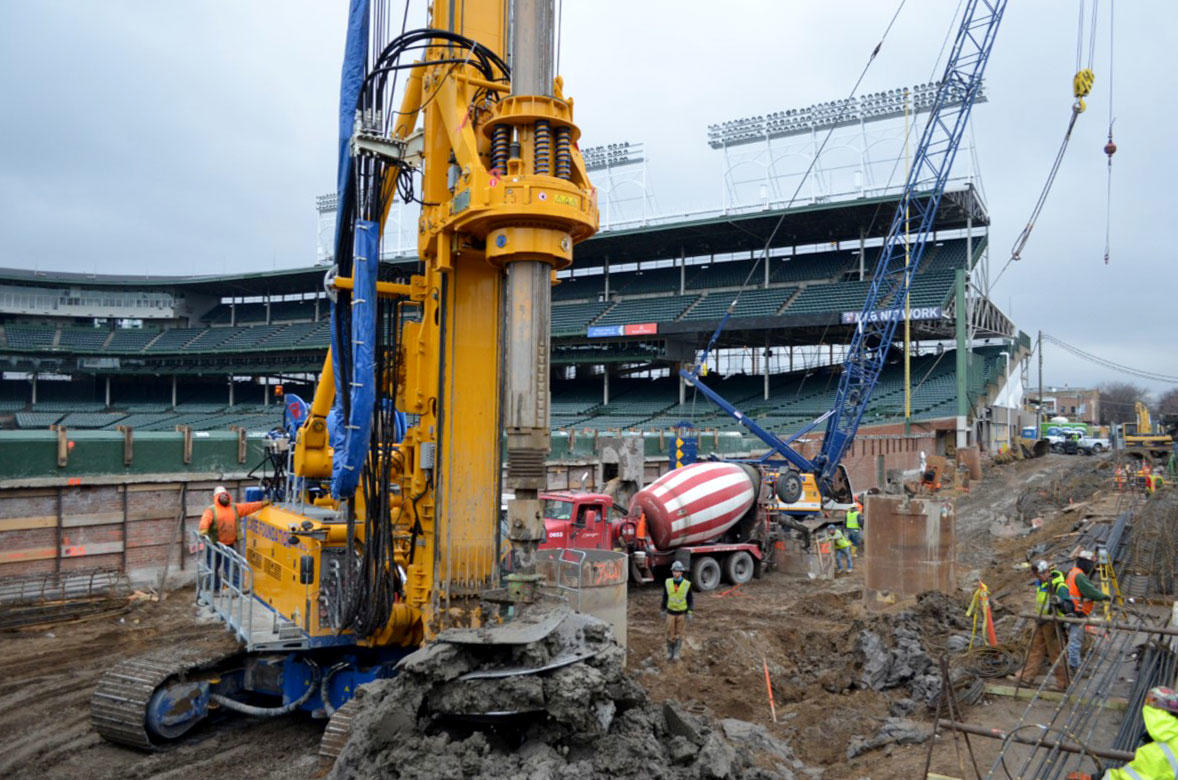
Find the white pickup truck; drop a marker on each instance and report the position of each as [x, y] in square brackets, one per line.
[1093, 445]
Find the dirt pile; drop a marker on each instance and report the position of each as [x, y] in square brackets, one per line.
[440, 719]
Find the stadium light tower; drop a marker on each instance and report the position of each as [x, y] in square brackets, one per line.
[624, 164]
[764, 142]
[326, 206]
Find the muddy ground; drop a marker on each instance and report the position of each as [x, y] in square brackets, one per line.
[810, 635]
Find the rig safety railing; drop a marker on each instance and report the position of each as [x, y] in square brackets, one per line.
[573, 561]
[224, 584]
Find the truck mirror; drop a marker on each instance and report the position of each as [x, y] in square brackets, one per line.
[306, 570]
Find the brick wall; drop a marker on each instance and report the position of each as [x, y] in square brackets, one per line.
[134, 527]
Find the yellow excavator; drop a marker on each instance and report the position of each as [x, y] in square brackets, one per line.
[1142, 438]
[384, 533]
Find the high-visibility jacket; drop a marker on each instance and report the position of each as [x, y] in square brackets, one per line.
[841, 542]
[220, 522]
[853, 519]
[1056, 586]
[1083, 606]
[678, 595]
[1155, 760]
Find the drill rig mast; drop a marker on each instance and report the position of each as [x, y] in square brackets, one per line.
[387, 532]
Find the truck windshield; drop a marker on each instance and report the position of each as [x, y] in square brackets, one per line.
[558, 510]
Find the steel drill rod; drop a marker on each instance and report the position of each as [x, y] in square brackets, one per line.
[1069, 747]
[1117, 626]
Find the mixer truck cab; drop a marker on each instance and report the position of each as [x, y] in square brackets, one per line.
[585, 521]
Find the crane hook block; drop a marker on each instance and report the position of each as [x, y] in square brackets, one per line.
[1110, 148]
[1082, 86]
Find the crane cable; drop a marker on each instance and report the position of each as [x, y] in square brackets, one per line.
[1110, 148]
[1081, 87]
[697, 364]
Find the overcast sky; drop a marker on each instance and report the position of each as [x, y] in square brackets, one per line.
[192, 137]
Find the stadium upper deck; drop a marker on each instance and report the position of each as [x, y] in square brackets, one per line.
[646, 296]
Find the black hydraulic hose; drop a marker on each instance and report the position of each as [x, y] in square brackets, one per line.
[325, 683]
[271, 712]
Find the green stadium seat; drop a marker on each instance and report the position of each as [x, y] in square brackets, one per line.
[640, 310]
[83, 339]
[751, 303]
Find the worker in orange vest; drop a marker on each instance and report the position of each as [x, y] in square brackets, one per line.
[220, 520]
[1084, 596]
[219, 523]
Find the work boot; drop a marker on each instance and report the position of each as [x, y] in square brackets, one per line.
[670, 651]
[675, 649]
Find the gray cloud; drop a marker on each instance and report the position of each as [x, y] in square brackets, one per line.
[193, 137]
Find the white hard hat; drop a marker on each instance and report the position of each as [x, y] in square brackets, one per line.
[1042, 567]
[1086, 555]
[219, 489]
[677, 566]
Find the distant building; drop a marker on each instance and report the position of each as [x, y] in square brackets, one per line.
[1075, 403]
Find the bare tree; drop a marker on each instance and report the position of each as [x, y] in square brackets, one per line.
[1118, 402]
[1168, 403]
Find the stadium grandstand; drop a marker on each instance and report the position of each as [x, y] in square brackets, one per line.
[153, 353]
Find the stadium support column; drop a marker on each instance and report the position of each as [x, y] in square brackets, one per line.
[766, 355]
[34, 383]
[173, 392]
[682, 270]
[108, 391]
[862, 253]
[230, 390]
[605, 384]
[961, 323]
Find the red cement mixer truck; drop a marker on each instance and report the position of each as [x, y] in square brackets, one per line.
[711, 516]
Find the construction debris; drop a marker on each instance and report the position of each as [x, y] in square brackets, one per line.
[588, 719]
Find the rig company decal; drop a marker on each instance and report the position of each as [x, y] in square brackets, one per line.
[882, 315]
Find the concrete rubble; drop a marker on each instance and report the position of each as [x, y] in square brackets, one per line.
[586, 719]
[900, 731]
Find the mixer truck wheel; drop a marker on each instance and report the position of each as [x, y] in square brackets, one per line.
[739, 567]
[705, 573]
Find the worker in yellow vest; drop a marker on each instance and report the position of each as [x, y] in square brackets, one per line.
[1157, 760]
[677, 609]
[842, 550]
[855, 526]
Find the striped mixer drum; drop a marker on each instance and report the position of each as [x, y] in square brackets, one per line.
[696, 503]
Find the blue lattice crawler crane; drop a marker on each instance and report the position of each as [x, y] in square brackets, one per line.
[799, 478]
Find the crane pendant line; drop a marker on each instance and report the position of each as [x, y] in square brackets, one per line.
[933, 161]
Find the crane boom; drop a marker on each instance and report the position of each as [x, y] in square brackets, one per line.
[933, 160]
[883, 309]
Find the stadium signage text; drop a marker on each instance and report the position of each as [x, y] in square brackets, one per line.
[638, 329]
[883, 315]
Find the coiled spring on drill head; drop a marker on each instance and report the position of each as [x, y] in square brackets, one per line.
[543, 140]
[500, 141]
[564, 153]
